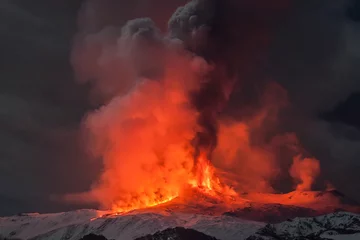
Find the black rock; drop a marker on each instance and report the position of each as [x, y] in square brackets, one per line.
[93, 237]
[177, 233]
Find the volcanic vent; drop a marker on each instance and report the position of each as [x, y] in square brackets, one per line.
[167, 130]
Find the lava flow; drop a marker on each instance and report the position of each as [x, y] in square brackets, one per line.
[203, 181]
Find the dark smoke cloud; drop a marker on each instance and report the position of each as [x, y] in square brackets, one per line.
[109, 60]
[192, 24]
[314, 55]
[234, 36]
[95, 14]
[100, 24]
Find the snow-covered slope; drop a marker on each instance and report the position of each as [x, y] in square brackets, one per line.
[340, 225]
[74, 225]
[33, 224]
[177, 233]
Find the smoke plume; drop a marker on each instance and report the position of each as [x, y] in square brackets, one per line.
[256, 83]
[167, 117]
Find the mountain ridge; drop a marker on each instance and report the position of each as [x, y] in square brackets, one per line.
[303, 215]
[77, 224]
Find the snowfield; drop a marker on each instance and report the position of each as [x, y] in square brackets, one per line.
[76, 224]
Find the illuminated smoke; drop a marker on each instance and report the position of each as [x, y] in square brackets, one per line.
[304, 171]
[144, 132]
[163, 126]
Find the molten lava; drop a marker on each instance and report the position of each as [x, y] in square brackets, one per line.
[206, 181]
[204, 176]
[203, 180]
[144, 202]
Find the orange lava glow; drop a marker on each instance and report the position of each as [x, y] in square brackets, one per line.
[145, 140]
[203, 180]
[206, 181]
[149, 158]
[144, 203]
[305, 171]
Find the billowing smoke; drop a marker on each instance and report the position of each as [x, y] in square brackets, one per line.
[145, 129]
[304, 171]
[313, 56]
[174, 104]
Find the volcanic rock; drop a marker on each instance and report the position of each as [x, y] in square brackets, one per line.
[177, 233]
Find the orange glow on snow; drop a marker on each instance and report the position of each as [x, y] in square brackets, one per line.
[144, 203]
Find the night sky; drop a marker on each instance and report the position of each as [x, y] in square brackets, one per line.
[314, 54]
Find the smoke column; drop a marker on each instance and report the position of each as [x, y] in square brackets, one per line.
[167, 105]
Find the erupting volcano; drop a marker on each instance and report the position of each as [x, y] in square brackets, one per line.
[167, 132]
[180, 119]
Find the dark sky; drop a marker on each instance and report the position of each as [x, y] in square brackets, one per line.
[41, 105]
[315, 55]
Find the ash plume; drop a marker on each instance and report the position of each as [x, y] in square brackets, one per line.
[258, 83]
[143, 131]
[196, 97]
[192, 24]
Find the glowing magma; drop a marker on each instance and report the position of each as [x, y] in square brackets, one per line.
[145, 139]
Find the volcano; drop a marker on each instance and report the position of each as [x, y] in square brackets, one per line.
[192, 143]
[306, 214]
[164, 132]
[262, 207]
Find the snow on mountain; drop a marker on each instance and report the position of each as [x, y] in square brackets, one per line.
[177, 233]
[355, 236]
[340, 225]
[74, 225]
[161, 224]
[33, 224]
